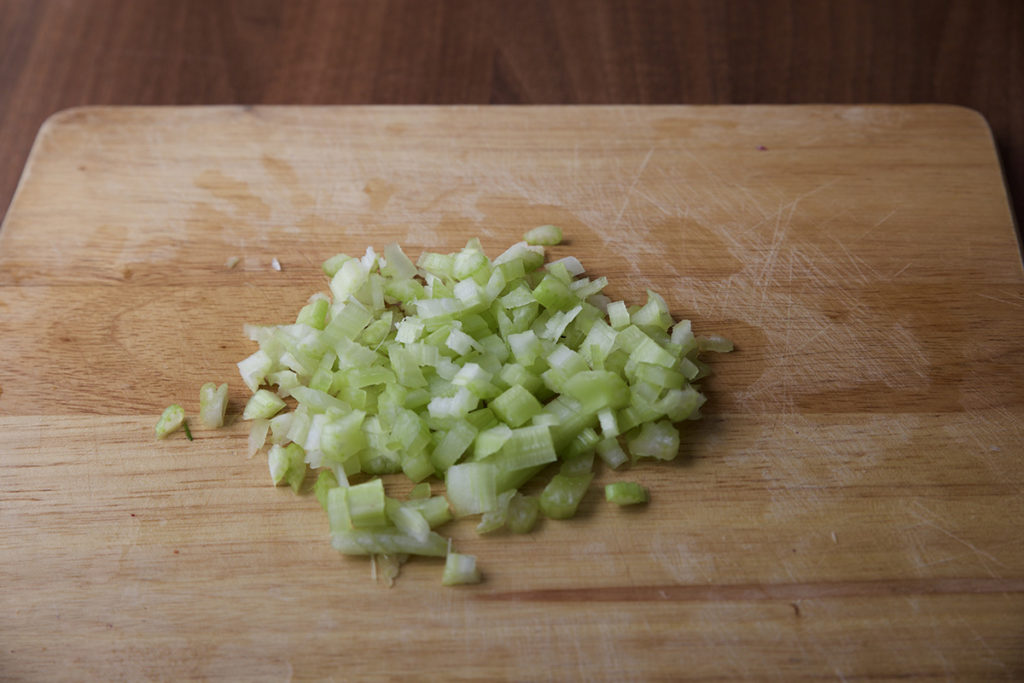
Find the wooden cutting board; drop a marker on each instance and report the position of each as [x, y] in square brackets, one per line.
[850, 506]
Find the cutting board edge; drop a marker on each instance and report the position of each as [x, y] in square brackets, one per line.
[69, 115]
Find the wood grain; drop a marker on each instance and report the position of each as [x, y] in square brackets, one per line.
[849, 507]
[56, 54]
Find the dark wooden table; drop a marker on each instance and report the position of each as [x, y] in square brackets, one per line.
[62, 53]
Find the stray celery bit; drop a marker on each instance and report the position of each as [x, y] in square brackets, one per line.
[544, 234]
[213, 403]
[170, 421]
[625, 493]
[474, 372]
[459, 569]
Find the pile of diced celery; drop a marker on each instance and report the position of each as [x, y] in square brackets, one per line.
[477, 373]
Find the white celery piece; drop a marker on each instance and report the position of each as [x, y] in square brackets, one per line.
[472, 488]
[460, 569]
[213, 403]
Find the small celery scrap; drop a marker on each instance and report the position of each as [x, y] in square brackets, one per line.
[476, 372]
[625, 493]
[172, 419]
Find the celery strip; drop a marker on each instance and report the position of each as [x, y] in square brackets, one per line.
[387, 541]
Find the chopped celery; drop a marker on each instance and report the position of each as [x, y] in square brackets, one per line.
[459, 569]
[479, 372]
[170, 421]
[625, 493]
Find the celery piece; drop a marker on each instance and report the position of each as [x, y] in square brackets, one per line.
[399, 266]
[714, 342]
[436, 264]
[434, 509]
[367, 504]
[453, 445]
[342, 437]
[314, 314]
[348, 322]
[418, 467]
[287, 464]
[516, 406]
[420, 491]
[490, 441]
[407, 518]
[618, 315]
[324, 483]
[213, 402]
[597, 390]
[611, 452]
[257, 436]
[513, 374]
[494, 519]
[653, 314]
[467, 262]
[553, 294]
[522, 513]
[170, 420]
[471, 488]
[625, 493]
[659, 440]
[254, 369]
[547, 235]
[337, 509]
[263, 404]
[562, 496]
[277, 461]
[296, 472]
[332, 265]
[583, 444]
[525, 447]
[459, 569]
[349, 279]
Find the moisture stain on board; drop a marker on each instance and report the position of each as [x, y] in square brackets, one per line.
[284, 176]
[379, 192]
[236, 192]
[509, 212]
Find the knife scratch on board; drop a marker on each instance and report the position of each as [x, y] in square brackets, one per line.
[629, 191]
